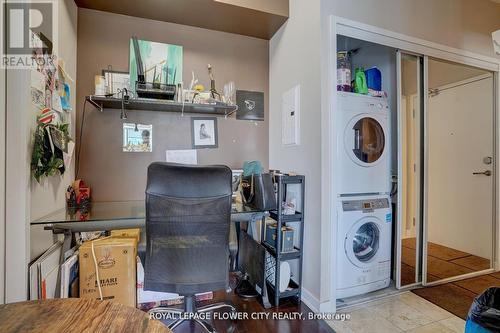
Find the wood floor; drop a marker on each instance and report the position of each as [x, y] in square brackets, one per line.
[455, 297]
[443, 262]
[257, 326]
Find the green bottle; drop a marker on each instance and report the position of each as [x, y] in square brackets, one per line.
[360, 85]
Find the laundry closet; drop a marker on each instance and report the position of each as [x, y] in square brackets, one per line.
[409, 143]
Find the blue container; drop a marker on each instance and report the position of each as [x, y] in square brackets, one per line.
[374, 79]
[472, 327]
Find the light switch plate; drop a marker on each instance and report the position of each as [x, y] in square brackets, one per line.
[290, 117]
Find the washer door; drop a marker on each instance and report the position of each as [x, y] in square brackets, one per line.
[362, 242]
[365, 140]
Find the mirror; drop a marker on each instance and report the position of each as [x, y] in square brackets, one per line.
[411, 79]
[137, 138]
[460, 182]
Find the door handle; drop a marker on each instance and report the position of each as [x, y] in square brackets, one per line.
[486, 173]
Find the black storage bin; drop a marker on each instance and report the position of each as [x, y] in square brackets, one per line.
[484, 314]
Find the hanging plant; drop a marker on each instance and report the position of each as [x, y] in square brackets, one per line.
[50, 142]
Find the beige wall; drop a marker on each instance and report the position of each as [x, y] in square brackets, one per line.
[103, 39]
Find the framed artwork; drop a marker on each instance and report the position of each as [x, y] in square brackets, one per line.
[204, 132]
[162, 62]
[137, 138]
[250, 105]
[116, 81]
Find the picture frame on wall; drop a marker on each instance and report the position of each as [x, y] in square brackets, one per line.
[250, 105]
[116, 81]
[204, 132]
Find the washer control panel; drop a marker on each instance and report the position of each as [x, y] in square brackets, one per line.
[364, 205]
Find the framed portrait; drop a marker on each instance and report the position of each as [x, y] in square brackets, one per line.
[204, 132]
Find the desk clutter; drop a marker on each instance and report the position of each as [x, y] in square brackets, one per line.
[104, 268]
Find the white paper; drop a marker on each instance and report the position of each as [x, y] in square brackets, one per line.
[37, 89]
[68, 156]
[187, 156]
[56, 102]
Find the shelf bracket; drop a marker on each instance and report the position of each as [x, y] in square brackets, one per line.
[228, 114]
[97, 106]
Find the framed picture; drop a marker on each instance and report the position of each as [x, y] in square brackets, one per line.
[137, 138]
[116, 81]
[162, 62]
[204, 132]
[250, 105]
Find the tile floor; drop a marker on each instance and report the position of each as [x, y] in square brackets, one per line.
[404, 312]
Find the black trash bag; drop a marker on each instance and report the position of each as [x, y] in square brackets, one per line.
[485, 310]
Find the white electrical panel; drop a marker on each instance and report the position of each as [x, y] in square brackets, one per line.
[290, 116]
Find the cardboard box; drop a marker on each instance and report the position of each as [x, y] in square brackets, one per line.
[127, 233]
[147, 300]
[116, 265]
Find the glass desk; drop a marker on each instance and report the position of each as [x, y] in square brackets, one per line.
[112, 215]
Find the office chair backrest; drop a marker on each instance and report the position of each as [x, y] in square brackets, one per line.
[188, 212]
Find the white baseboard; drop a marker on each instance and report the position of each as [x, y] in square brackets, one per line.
[314, 304]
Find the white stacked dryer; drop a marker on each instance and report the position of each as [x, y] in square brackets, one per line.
[364, 139]
[364, 209]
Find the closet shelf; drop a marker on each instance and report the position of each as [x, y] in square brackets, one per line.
[145, 104]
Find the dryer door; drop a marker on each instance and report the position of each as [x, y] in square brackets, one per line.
[362, 242]
[365, 140]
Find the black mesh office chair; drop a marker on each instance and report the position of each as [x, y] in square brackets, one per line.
[188, 212]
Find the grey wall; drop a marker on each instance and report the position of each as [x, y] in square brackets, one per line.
[26, 200]
[295, 59]
[103, 39]
[462, 24]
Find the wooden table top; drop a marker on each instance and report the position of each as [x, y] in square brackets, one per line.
[76, 315]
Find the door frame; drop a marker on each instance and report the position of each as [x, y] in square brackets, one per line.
[341, 26]
[402, 132]
[494, 257]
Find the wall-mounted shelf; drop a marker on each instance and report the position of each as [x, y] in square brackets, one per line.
[144, 104]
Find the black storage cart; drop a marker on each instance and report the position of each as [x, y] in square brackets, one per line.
[296, 220]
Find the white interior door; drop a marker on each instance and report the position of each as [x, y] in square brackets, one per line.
[459, 180]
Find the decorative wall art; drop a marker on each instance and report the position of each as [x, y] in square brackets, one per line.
[162, 62]
[204, 132]
[116, 81]
[137, 138]
[250, 105]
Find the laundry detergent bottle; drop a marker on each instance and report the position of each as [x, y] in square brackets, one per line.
[360, 85]
[343, 71]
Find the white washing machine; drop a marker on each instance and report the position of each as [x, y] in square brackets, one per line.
[364, 139]
[364, 245]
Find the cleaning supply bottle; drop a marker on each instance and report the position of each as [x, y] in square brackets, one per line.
[360, 86]
[343, 71]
